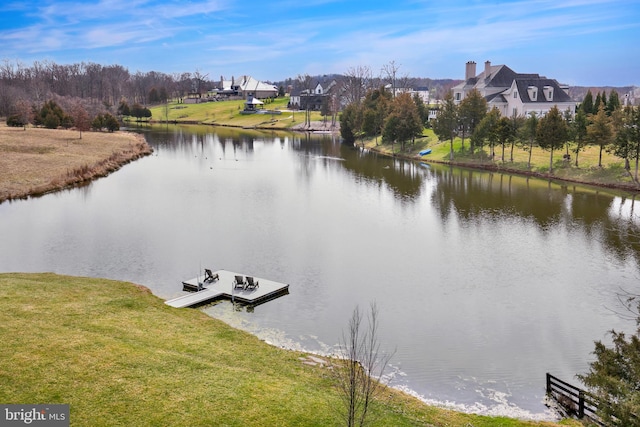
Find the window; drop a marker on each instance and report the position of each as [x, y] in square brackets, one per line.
[515, 94]
[457, 96]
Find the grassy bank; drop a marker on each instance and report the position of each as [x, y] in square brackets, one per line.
[228, 113]
[120, 356]
[611, 174]
[36, 161]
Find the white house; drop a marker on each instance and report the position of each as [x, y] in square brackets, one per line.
[247, 86]
[514, 93]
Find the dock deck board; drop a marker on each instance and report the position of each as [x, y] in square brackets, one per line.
[224, 288]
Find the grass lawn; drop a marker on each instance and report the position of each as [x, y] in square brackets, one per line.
[611, 173]
[120, 357]
[227, 113]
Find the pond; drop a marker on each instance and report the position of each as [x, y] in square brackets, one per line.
[484, 282]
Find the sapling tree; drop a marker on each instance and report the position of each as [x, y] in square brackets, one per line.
[359, 375]
[552, 133]
[600, 132]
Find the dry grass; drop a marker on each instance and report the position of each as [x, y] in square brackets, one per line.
[36, 161]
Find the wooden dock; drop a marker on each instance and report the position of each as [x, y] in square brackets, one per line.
[224, 287]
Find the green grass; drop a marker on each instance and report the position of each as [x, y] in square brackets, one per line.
[612, 172]
[227, 113]
[121, 357]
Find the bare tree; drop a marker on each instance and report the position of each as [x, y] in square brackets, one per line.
[390, 72]
[359, 376]
[355, 84]
[306, 82]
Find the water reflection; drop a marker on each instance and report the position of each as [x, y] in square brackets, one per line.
[484, 281]
[604, 215]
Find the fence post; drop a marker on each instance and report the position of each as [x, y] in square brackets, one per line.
[548, 383]
[581, 404]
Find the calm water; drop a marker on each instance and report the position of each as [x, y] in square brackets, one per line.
[484, 282]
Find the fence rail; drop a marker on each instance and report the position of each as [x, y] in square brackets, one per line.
[573, 400]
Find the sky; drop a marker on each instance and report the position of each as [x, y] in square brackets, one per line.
[577, 42]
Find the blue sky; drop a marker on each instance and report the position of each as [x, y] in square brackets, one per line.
[577, 42]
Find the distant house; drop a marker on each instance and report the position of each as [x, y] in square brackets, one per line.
[312, 98]
[246, 86]
[514, 93]
[423, 93]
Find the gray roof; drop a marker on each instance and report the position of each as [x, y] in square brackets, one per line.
[523, 84]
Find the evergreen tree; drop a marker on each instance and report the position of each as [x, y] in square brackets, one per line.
[51, 115]
[488, 130]
[587, 103]
[579, 132]
[446, 121]
[123, 109]
[600, 131]
[528, 133]
[627, 140]
[111, 123]
[471, 110]
[551, 133]
[614, 102]
[403, 122]
[348, 124]
[98, 122]
[375, 108]
[614, 377]
[423, 111]
[596, 104]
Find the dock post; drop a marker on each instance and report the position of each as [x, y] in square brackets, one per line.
[580, 404]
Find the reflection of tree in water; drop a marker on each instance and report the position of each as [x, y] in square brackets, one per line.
[470, 193]
[402, 177]
[603, 216]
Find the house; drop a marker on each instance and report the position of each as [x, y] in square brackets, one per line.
[514, 94]
[311, 99]
[246, 86]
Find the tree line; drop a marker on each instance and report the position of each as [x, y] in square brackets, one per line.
[396, 119]
[104, 84]
[602, 122]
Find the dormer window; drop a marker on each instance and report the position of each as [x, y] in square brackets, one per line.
[533, 93]
[515, 94]
[548, 93]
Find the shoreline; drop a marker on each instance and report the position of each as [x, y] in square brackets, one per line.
[325, 128]
[492, 167]
[317, 127]
[76, 173]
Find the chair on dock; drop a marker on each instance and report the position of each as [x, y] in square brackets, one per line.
[251, 284]
[209, 276]
[239, 282]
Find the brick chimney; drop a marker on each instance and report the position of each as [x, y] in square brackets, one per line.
[487, 69]
[470, 70]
